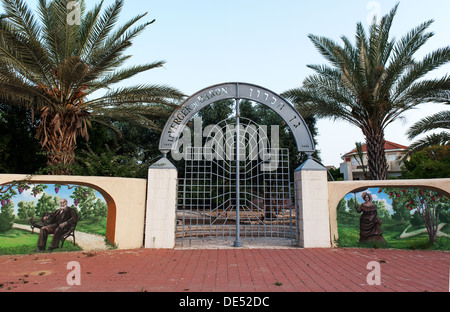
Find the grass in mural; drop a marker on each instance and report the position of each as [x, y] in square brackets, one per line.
[93, 225]
[16, 241]
[348, 231]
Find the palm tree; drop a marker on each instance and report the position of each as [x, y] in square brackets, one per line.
[370, 84]
[64, 72]
[439, 120]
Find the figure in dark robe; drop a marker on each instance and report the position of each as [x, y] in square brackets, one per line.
[369, 223]
[59, 222]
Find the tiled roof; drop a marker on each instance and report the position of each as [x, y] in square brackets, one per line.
[387, 146]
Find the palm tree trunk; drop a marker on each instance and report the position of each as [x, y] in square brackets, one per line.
[57, 133]
[376, 155]
[60, 154]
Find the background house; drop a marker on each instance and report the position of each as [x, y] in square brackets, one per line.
[352, 169]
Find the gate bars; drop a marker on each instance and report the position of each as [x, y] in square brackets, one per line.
[208, 196]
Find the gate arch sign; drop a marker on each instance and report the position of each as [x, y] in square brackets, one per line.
[236, 90]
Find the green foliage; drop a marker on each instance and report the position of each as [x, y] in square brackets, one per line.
[19, 149]
[429, 163]
[126, 152]
[26, 210]
[46, 204]
[6, 216]
[88, 204]
[335, 175]
[109, 163]
[416, 220]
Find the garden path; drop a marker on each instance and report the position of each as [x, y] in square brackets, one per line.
[424, 230]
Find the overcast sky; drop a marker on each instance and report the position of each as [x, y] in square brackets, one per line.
[264, 42]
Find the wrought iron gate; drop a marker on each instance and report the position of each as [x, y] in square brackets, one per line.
[237, 198]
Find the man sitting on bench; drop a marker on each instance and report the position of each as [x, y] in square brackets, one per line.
[59, 222]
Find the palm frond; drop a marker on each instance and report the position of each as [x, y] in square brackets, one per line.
[419, 69]
[122, 74]
[442, 138]
[152, 94]
[142, 115]
[403, 52]
[433, 122]
[101, 28]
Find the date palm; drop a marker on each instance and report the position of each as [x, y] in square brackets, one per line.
[437, 121]
[372, 83]
[64, 71]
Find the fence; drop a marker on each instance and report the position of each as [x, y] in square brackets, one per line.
[133, 204]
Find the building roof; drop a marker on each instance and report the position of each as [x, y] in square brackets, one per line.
[388, 146]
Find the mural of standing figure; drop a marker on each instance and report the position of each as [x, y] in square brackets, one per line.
[369, 223]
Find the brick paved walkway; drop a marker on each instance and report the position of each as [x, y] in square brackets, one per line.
[228, 270]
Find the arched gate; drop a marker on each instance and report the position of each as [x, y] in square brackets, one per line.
[237, 186]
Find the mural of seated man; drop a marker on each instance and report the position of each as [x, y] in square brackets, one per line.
[58, 223]
[370, 224]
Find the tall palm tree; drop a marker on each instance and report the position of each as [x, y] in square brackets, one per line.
[371, 83]
[64, 72]
[439, 120]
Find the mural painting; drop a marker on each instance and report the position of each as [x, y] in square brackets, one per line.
[404, 218]
[40, 217]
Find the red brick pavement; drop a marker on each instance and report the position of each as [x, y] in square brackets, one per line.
[228, 270]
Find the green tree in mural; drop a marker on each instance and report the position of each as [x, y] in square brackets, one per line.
[399, 205]
[26, 210]
[100, 209]
[351, 203]
[85, 199]
[46, 204]
[382, 211]
[427, 203]
[6, 216]
[342, 207]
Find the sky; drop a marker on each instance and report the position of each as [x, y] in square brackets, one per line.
[265, 42]
[376, 196]
[63, 192]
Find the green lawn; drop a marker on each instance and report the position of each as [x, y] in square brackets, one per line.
[92, 225]
[348, 231]
[16, 241]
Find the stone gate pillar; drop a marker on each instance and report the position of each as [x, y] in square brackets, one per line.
[312, 201]
[160, 215]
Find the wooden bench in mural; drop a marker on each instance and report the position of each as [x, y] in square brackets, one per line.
[69, 233]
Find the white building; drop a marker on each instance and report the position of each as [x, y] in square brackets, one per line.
[352, 169]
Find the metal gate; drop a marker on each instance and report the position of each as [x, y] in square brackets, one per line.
[237, 197]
